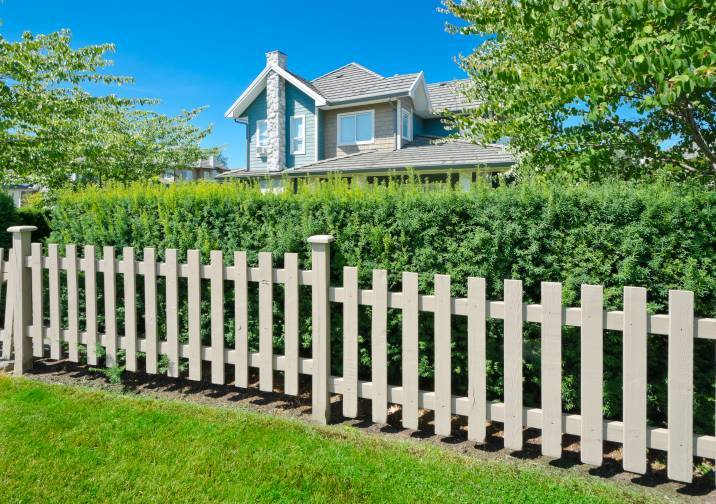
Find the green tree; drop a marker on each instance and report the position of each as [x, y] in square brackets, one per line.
[54, 132]
[594, 88]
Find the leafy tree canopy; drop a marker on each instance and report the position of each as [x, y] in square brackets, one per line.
[54, 132]
[597, 88]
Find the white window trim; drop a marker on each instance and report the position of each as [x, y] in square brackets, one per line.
[303, 135]
[362, 142]
[403, 111]
[258, 134]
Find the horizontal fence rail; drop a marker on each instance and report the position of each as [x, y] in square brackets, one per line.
[26, 268]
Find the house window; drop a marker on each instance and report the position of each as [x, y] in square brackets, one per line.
[356, 128]
[298, 135]
[406, 124]
[262, 132]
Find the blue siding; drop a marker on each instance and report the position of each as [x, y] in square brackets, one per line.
[417, 125]
[255, 112]
[321, 136]
[435, 127]
[300, 104]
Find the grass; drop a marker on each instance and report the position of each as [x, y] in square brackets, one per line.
[62, 444]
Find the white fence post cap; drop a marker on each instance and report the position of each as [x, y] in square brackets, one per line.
[320, 239]
[20, 229]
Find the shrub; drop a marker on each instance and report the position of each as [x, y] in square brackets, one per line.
[615, 235]
[8, 217]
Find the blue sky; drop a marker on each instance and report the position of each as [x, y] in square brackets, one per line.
[190, 54]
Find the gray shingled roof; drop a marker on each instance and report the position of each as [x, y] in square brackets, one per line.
[353, 82]
[447, 95]
[423, 152]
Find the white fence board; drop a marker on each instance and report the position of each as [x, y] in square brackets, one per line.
[443, 369]
[217, 317]
[172, 312]
[379, 347]
[591, 375]
[241, 314]
[513, 364]
[551, 369]
[73, 320]
[350, 342]
[90, 269]
[679, 465]
[410, 350]
[266, 322]
[38, 309]
[291, 323]
[53, 254]
[194, 293]
[634, 379]
[476, 359]
[150, 311]
[129, 271]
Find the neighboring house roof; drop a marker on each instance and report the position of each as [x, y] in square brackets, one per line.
[422, 153]
[448, 95]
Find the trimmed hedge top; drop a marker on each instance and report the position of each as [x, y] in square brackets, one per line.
[656, 236]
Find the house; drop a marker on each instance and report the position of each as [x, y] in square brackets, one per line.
[358, 123]
[204, 169]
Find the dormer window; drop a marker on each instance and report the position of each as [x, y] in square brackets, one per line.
[406, 124]
[356, 128]
[262, 133]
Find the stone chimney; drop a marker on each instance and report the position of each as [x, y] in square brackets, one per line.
[276, 113]
[276, 58]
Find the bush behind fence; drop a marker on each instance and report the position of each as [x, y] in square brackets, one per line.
[656, 236]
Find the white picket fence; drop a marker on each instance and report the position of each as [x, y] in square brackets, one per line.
[31, 336]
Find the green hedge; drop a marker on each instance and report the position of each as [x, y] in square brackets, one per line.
[660, 237]
[8, 217]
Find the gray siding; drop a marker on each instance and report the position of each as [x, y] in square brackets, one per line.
[300, 104]
[384, 132]
[255, 112]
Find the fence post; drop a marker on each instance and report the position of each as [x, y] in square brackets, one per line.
[321, 325]
[21, 236]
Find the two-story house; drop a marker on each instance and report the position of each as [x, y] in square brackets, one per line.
[358, 123]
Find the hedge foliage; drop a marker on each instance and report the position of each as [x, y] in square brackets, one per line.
[8, 217]
[657, 236]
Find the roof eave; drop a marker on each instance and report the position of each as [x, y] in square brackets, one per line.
[502, 165]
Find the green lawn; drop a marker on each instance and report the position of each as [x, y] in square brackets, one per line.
[61, 444]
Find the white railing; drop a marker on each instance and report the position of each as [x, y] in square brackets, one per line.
[32, 336]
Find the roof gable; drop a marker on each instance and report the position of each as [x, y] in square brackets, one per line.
[259, 84]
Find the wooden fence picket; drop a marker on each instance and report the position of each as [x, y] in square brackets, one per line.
[7, 335]
[241, 314]
[129, 271]
[411, 401]
[379, 347]
[73, 321]
[265, 322]
[551, 369]
[172, 311]
[634, 379]
[443, 369]
[591, 374]
[90, 265]
[679, 464]
[217, 317]
[513, 364]
[38, 318]
[194, 293]
[151, 336]
[110, 308]
[476, 359]
[53, 261]
[350, 342]
[291, 336]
